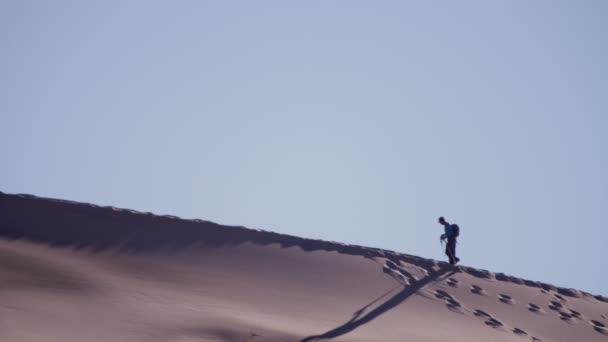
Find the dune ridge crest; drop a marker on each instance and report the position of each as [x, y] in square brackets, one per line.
[135, 231]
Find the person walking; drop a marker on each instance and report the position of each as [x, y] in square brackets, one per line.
[451, 232]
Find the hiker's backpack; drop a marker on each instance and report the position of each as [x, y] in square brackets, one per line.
[455, 230]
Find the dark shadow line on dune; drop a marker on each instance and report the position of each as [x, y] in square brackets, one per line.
[69, 224]
[397, 299]
[359, 312]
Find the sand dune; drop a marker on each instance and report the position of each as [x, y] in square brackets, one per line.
[79, 272]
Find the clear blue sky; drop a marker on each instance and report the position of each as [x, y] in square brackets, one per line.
[352, 121]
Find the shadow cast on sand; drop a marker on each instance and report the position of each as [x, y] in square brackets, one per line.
[389, 304]
[61, 223]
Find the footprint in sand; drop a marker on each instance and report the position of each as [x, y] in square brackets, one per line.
[602, 331]
[453, 302]
[560, 298]
[556, 306]
[601, 298]
[506, 299]
[489, 320]
[564, 316]
[481, 313]
[449, 300]
[535, 308]
[397, 273]
[575, 314]
[390, 264]
[599, 327]
[452, 282]
[454, 306]
[519, 332]
[478, 290]
[494, 323]
[443, 295]
[536, 339]
[422, 270]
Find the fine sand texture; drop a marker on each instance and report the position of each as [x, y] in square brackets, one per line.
[80, 272]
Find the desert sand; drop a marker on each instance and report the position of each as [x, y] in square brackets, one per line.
[81, 272]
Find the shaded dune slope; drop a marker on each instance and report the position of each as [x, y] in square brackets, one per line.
[83, 225]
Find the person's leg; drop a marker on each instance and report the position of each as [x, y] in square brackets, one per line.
[456, 259]
[448, 251]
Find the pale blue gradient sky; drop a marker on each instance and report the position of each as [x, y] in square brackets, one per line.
[358, 122]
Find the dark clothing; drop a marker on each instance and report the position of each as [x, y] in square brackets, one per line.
[450, 247]
[450, 250]
[448, 229]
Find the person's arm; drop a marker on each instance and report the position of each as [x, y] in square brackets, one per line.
[448, 230]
